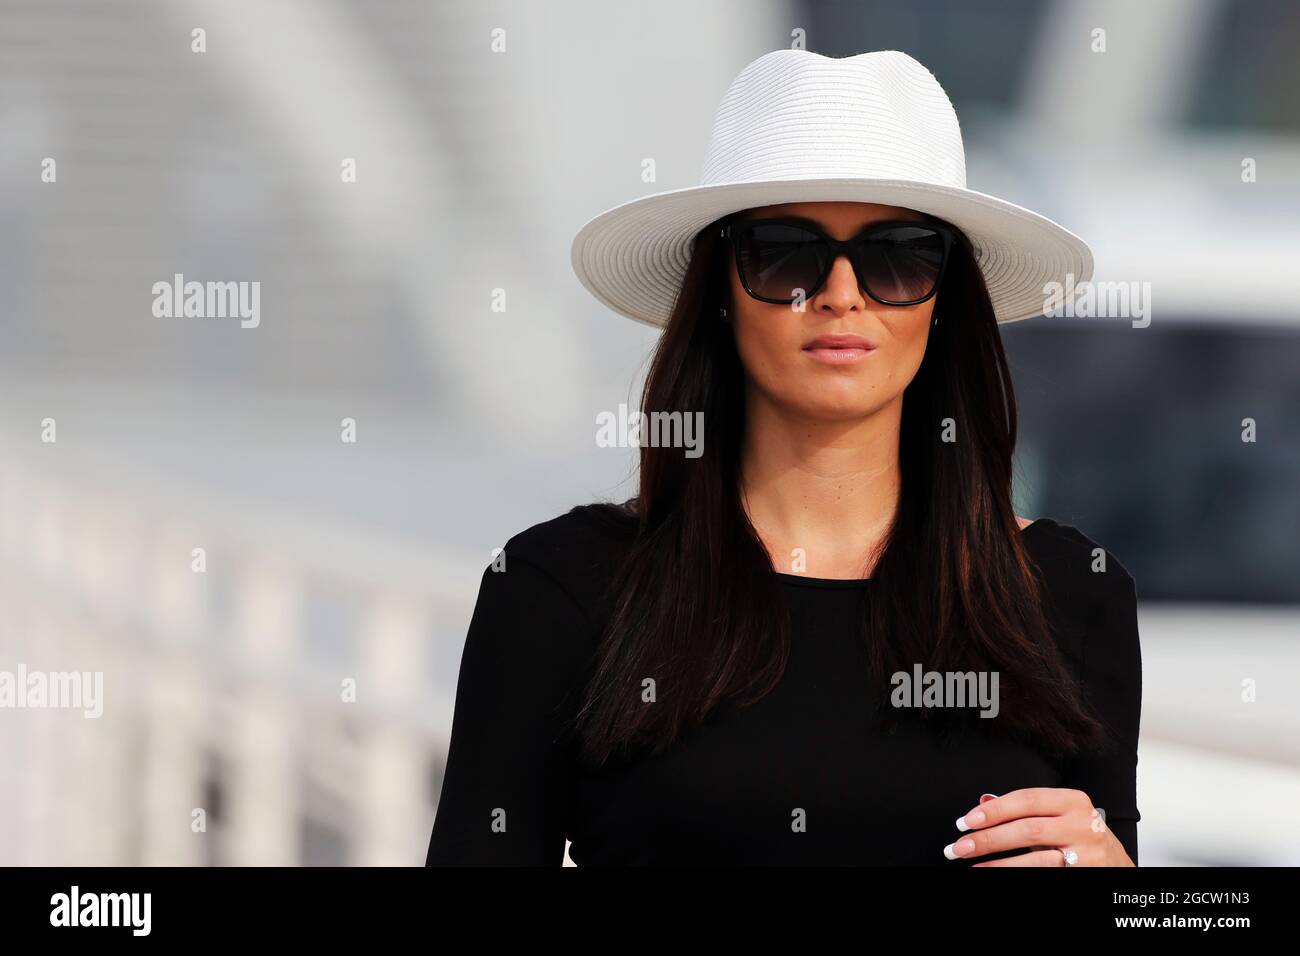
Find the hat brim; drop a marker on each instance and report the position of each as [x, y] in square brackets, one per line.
[633, 257]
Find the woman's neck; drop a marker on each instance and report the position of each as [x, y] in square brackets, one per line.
[826, 490]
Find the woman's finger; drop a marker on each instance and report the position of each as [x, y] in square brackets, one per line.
[1036, 858]
[1013, 835]
[1029, 802]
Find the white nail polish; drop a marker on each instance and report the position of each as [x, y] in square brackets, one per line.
[947, 851]
[961, 824]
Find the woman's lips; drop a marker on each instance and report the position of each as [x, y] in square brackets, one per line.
[838, 356]
[839, 349]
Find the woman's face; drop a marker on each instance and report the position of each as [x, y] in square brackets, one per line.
[845, 355]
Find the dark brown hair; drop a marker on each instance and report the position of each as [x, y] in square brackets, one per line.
[696, 605]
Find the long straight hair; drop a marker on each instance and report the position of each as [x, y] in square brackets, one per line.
[696, 607]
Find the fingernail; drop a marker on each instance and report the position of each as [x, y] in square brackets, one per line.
[986, 797]
[975, 818]
[954, 850]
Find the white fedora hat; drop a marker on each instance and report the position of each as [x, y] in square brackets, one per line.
[796, 126]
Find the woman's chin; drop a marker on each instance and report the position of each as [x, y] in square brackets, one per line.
[840, 408]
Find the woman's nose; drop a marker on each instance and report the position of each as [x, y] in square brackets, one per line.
[841, 287]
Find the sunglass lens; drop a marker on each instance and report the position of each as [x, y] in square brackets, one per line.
[901, 264]
[780, 260]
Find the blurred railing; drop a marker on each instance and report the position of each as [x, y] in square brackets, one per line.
[224, 688]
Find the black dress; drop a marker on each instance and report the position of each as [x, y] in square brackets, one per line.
[727, 793]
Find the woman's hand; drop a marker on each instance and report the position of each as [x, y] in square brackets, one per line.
[1048, 822]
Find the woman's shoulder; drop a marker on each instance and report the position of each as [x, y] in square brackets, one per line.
[1073, 554]
[1090, 592]
[581, 532]
[578, 549]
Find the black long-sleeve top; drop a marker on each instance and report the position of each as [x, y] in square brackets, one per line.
[513, 790]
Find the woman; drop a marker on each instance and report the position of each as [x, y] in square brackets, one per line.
[828, 638]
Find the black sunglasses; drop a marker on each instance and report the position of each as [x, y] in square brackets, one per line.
[897, 262]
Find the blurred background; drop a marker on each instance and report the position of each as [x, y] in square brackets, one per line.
[326, 561]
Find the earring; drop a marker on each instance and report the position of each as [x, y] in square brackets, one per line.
[722, 311]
